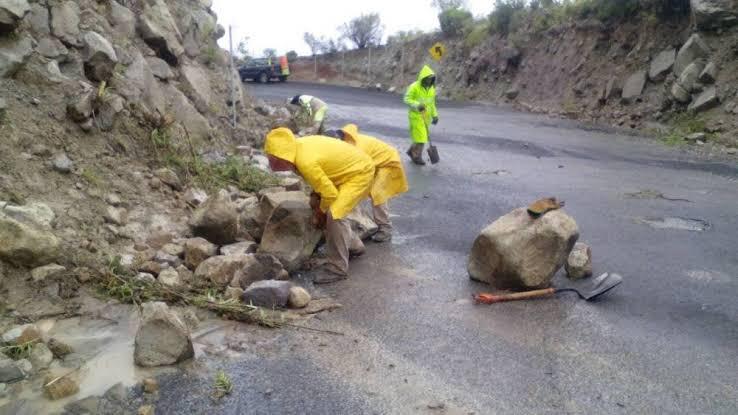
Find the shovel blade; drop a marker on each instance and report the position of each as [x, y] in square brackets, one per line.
[601, 285]
[433, 154]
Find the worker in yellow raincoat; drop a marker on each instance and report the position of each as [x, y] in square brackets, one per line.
[341, 174]
[389, 176]
[311, 115]
[420, 98]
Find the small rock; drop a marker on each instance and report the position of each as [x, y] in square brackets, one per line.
[170, 277]
[732, 150]
[292, 184]
[162, 338]
[706, 100]
[169, 177]
[633, 87]
[59, 349]
[42, 273]
[62, 163]
[150, 385]
[219, 270]
[173, 249]
[299, 297]
[58, 388]
[41, 357]
[166, 259]
[216, 220]
[197, 250]
[18, 335]
[185, 275]
[257, 267]
[662, 64]
[25, 365]
[145, 277]
[709, 74]
[696, 137]
[146, 410]
[116, 215]
[150, 267]
[579, 263]
[10, 371]
[113, 199]
[289, 234]
[268, 293]
[695, 48]
[195, 197]
[512, 93]
[234, 293]
[247, 247]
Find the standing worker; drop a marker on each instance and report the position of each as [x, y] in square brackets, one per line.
[389, 176]
[311, 115]
[420, 97]
[341, 175]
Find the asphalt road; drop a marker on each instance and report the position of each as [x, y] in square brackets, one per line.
[665, 341]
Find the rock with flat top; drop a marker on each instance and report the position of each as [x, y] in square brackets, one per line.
[519, 252]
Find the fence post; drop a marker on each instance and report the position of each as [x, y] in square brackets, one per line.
[233, 80]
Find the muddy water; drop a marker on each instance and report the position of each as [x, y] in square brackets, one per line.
[103, 345]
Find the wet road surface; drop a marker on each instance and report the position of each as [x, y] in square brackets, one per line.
[665, 341]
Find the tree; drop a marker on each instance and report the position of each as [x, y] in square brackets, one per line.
[270, 53]
[315, 45]
[443, 5]
[291, 55]
[365, 30]
[454, 20]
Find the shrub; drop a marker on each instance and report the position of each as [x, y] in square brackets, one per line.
[476, 35]
[454, 20]
[500, 18]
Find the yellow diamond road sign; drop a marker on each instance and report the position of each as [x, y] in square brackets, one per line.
[438, 51]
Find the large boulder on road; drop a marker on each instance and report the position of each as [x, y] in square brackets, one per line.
[290, 235]
[163, 338]
[519, 252]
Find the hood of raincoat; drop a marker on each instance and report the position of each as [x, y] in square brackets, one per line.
[350, 132]
[281, 143]
[425, 72]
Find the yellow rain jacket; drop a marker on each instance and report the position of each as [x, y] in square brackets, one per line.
[389, 176]
[416, 95]
[341, 173]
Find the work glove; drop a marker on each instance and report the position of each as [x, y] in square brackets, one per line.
[319, 219]
[421, 107]
[435, 120]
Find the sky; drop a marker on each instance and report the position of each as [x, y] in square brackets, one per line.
[281, 24]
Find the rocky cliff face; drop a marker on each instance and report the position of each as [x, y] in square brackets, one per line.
[96, 96]
[639, 74]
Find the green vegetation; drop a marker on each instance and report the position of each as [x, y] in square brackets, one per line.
[476, 34]
[222, 385]
[682, 125]
[211, 176]
[20, 351]
[91, 176]
[454, 20]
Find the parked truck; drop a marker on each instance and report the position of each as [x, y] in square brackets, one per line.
[264, 70]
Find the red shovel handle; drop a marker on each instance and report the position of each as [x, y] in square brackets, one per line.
[485, 298]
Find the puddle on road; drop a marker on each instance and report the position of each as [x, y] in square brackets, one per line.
[683, 224]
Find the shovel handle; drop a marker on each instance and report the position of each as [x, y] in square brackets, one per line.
[527, 295]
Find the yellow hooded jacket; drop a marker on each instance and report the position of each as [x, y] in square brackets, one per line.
[389, 176]
[415, 95]
[341, 173]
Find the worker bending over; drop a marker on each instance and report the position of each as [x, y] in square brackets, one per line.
[341, 175]
[311, 115]
[389, 176]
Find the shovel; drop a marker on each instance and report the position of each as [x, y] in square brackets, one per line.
[432, 150]
[599, 286]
